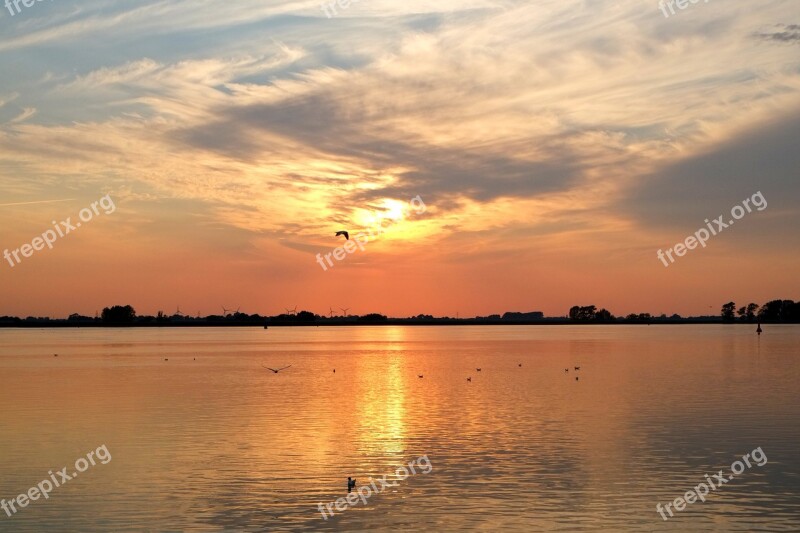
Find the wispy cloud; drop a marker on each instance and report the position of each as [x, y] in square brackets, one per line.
[786, 33]
[38, 202]
[24, 115]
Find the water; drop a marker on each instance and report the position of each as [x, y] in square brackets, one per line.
[211, 441]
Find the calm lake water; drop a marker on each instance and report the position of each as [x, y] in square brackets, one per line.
[211, 441]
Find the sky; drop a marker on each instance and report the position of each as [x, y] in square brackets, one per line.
[556, 147]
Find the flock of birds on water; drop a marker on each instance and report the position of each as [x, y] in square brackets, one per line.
[420, 376]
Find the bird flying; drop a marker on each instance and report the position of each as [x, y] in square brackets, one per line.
[346, 235]
[274, 370]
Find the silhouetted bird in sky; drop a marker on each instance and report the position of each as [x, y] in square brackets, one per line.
[419, 376]
[576, 378]
[274, 370]
[577, 368]
[469, 379]
[478, 369]
[566, 370]
[346, 235]
[520, 365]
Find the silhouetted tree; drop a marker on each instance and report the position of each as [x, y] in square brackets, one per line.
[771, 311]
[589, 313]
[119, 314]
[603, 315]
[582, 313]
[728, 312]
[780, 311]
[373, 317]
[306, 316]
[75, 317]
[792, 311]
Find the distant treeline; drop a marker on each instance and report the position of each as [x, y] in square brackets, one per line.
[775, 311]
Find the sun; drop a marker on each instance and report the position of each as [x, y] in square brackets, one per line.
[394, 210]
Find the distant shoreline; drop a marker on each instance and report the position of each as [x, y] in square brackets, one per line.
[41, 324]
[125, 316]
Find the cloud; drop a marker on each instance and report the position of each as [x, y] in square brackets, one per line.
[280, 122]
[680, 196]
[67, 23]
[24, 115]
[37, 202]
[787, 34]
[7, 99]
